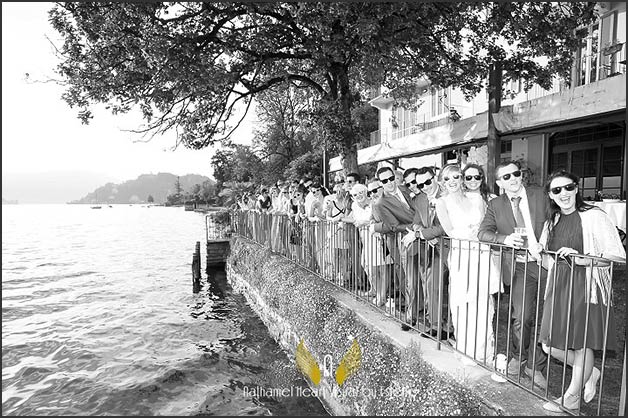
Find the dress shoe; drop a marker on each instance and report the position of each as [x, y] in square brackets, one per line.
[569, 402]
[537, 377]
[406, 327]
[514, 367]
[444, 335]
[591, 386]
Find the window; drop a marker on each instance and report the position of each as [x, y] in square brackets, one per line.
[596, 57]
[595, 154]
[505, 153]
[611, 170]
[440, 101]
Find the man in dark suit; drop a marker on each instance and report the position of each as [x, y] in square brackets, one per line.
[423, 184]
[393, 213]
[524, 208]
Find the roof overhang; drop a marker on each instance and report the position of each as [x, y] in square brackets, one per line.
[424, 142]
[604, 97]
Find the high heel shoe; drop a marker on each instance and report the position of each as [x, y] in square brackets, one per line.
[568, 401]
[591, 386]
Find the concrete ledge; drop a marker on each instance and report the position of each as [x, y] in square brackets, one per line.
[401, 373]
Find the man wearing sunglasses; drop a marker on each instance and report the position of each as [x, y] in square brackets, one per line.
[520, 207]
[427, 227]
[393, 213]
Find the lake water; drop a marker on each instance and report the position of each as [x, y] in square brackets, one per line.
[99, 318]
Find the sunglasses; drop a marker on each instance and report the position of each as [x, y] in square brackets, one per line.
[455, 177]
[514, 173]
[370, 192]
[425, 183]
[569, 187]
[478, 177]
[384, 181]
[313, 190]
[411, 182]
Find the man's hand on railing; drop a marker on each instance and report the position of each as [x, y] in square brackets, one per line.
[409, 238]
[514, 240]
[535, 251]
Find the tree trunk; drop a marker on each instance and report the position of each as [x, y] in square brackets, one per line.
[349, 151]
[493, 140]
[349, 160]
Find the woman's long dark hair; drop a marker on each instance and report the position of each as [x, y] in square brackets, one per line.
[552, 208]
[484, 191]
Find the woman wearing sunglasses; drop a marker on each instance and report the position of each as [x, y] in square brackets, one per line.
[575, 227]
[475, 183]
[376, 255]
[470, 300]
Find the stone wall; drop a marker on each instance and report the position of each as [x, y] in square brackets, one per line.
[393, 378]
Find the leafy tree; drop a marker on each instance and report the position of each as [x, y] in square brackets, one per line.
[283, 135]
[197, 66]
[221, 162]
[150, 199]
[234, 190]
[238, 163]
[177, 187]
[208, 191]
[195, 193]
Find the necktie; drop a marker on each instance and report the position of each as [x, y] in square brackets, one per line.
[402, 199]
[517, 212]
[431, 211]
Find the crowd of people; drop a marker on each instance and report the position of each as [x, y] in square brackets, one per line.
[439, 246]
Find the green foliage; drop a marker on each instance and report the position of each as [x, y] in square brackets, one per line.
[197, 66]
[209, 192]
[233, 191]
[221, 217]
[150, 199]
[195, 192]
[236, 163]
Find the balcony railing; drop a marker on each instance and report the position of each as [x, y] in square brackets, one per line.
[410, 285]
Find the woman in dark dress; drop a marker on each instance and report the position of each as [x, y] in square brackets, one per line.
[573, 330]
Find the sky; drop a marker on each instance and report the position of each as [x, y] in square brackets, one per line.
[41, 134]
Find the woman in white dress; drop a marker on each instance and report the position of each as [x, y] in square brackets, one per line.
[375, 262]
[470, 267]
[475, 188]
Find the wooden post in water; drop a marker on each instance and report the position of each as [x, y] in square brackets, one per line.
[196, 269]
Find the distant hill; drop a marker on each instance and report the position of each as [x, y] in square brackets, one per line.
[137, 191]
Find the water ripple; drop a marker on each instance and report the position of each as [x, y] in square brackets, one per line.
[98, 318]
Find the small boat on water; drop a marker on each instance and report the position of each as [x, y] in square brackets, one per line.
[96, 207]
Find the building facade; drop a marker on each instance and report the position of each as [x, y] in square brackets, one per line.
[581, 128]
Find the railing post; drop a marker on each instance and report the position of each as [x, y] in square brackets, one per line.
[196, 268]
[622, 392]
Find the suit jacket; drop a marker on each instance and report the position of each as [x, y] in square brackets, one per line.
[430, 228]
[392, 216]
[499, 220]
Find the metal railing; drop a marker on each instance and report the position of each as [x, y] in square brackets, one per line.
[215, 231]
[448, 288]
